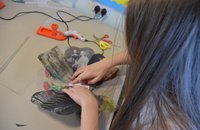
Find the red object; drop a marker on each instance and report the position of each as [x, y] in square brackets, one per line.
[108, 41]
[46, 88]
[105, 37]
[51, 33]
[1, 4]
[47, 74]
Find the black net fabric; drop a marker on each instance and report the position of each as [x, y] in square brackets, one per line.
[56, 102]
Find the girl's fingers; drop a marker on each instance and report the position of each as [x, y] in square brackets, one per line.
[69, 92]
[76, 80]
[73, 95]
[93, 81]
[77, 73]
[83, 76]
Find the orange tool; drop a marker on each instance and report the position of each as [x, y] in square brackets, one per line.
[51, 33]
[1, 4]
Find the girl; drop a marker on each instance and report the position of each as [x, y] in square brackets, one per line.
[162, 89]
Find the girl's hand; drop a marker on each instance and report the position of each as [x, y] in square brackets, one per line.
[93, 73]
[89, 106]
[82, 96]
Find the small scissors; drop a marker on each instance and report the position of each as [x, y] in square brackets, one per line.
[105, 38]
[103, 44]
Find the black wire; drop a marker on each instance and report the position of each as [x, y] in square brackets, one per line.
[67, 26]
[75, 18]
[68, 43]
[30, 12]
[62, 21]
[80, 18]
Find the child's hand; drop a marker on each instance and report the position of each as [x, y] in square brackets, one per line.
[89, 106]
[93, 73]
[82, 96]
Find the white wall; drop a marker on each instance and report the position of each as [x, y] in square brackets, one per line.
[113, 18]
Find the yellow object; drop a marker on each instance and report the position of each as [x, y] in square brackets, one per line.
[104, 45]
[108, 105]
[122, 2]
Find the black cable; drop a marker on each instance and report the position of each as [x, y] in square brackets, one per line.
[67, 26]
[62, 21]
[80, 18]
[30, 12]
[75, 18]
[68, 43]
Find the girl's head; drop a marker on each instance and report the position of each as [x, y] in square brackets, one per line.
[163, 43]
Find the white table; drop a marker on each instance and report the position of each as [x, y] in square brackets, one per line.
[22, 73]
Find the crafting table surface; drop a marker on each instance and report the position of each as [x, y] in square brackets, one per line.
[22, 74]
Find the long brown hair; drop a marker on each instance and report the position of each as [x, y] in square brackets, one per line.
[163, 81]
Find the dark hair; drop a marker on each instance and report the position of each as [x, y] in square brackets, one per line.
[163, 81]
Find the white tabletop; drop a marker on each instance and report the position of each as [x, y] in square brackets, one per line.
[22, 74]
